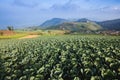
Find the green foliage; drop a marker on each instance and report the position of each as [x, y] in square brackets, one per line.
[10, 28]
[68, 57]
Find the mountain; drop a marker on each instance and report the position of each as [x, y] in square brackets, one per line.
[53, 22]
[83, 20]
[110, 24]
[106, 25]
[77, 26]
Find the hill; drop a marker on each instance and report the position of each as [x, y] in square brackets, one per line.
[53, 22]
[83, 20]
[56, 22]
[77, 26]
[110, 24]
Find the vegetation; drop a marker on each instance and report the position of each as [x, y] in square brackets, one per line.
[10, 28]
[68, 57]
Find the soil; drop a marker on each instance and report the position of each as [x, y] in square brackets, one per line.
[29, 36]
[6, 32]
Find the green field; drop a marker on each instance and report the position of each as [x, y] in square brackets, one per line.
[63, 57]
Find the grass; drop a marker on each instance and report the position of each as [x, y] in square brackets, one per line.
[18, 35]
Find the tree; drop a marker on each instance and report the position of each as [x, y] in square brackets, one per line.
[1, 33]
[10, 28]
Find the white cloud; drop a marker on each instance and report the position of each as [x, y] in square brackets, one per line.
[27, 12]
[23, 3]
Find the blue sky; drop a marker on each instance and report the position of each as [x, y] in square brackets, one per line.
[20, 13]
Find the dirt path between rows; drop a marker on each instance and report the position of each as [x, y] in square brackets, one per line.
[29, 36]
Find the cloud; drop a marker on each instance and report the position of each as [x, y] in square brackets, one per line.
[25, 3]
[65, 7]
[28, 12]
[110, 9]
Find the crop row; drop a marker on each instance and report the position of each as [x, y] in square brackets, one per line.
[61, 58]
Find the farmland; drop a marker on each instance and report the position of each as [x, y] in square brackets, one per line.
[7, 34]
[63, 57]
[18, 34]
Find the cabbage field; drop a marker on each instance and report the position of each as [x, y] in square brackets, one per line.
[66, 57]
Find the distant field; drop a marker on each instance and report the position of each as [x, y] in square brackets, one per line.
[61, 57]
[11, 34]
[20, 34]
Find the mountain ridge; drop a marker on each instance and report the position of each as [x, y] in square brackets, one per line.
[110, 24]
[106, 25]
[77, 26]
[53, 22]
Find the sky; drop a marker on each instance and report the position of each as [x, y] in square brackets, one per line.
[20, 13]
